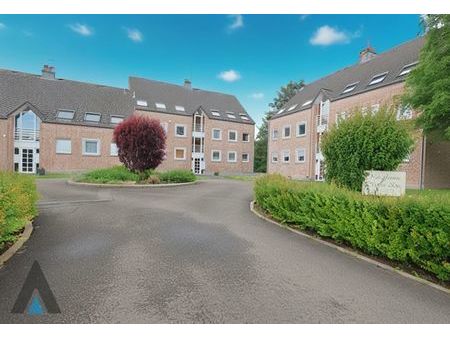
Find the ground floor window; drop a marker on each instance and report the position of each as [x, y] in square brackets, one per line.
[180, 153]
[91, 147]
[114, 149]
[245, 157]
[274, 157]
[300, 156]
[232, 155]
[286, 156]
[63, 146]
[216, 156]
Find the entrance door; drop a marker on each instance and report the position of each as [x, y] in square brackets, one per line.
[197, 169]
[27, 163]
[319, 170]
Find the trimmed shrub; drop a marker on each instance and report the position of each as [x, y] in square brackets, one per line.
[414, 229]
[18, 199]
[141, 142]
[365, 142]
[177, 176]
[110, 175]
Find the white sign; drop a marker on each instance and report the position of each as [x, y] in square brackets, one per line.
[384, 183]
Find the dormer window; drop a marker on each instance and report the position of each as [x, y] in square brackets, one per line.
[142, 103]
[92, 117]
[407, 69]
[179, 108]
[244, 117]
[280, 111]
[215, 113]
[378, 79]
[231, 115]
[307, 103]
[160, 105]
[291, 108]
[66, 114]
[350, 88]
[116, 119]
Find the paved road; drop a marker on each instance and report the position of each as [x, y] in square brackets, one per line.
[197, 254]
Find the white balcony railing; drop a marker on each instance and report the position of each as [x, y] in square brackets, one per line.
[26, 134]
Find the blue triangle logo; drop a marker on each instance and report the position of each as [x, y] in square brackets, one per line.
[35, 308]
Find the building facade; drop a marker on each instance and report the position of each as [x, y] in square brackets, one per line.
[65, 126]
[377, 80]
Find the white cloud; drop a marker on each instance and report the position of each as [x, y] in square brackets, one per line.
[134, 35]
[2, 25]
[257, 96]
[229, 75]
[81, 29]
[326, 35]
[237, 21]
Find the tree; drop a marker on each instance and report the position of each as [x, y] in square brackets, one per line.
[365, 142]
[283, 96]
[428, 85]
[141, 142]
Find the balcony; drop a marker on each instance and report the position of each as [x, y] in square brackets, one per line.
[322, 123]
[26, 134]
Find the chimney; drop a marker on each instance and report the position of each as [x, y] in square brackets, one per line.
[48, 72]
[367, 54]
[187, 84]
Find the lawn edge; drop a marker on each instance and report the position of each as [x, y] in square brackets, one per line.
[4, 257]
[114, 185]
[350, 252]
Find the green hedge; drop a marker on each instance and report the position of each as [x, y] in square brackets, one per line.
[414, 230]
[177, 176]
[18, 199]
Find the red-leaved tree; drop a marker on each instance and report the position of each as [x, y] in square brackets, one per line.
[141, 142]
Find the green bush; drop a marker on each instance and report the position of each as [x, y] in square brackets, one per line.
[110, 175]
[18, 199]
[177, 176]
[414, 229]
[364, 142]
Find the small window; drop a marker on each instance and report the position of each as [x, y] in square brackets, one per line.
[116, 119]
[66, 114]
[180, 130]
[179, 108]
[301, 129]
[216, 134]
[63, 146]
[92, 117]
[216, 156]
[232, 135]
[274, 134]
[215, 113]
[280, 111]
[142, 103]
[377, 79]
[180, 153]
[91, 147]
[286, 131]
[407, 69]
[114, 151]
[244, 117]
[16, 151]
[245, 157]
[350, 88]
[307, 103]
[300, 156]
[164, 126]
[286, 156]
[231, 115]
[274, 157]
[160, 105]
[232, 156]
[404, 112]
[291, 108]
[245, 137]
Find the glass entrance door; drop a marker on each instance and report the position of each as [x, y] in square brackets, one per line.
[27, 163]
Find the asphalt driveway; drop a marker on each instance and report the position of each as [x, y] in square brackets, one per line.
[197, 254]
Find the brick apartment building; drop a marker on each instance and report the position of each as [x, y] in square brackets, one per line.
[63, 126]
[377, 79]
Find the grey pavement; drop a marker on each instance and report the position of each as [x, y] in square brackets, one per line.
[196, 254]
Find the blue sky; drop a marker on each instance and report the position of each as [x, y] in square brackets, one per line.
[249, 56]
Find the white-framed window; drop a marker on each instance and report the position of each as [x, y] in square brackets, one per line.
[90, 147]
[142, 103]
[231, 115]
[300, 155]
[378, 78]
[301, 129]
[349, 88]
[407, 69]
[244, 117]
[92, 117]
[164, 126]
[160, 105]
[215, 113]
[63, 146]
[307, 103]
[245, 137]
[404, 112]
[232, 136]
[286, 156]
[291, 108]
[116, 119]
[274, 134]
[232, 156]
[180, 130]
[179, 108]
[280, 111]
[114, 151]
[287, 131]
[216, 134]
[245, 157]
[274, 157]
[65, 114]
[216, 155]
[341, 117]
[179, 154]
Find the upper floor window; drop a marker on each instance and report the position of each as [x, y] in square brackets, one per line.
[232, 135]
[164, 126]
[27, 126]
[92, 117]
[245, 137]
[404, 112]
[116, 119]
[301, 129]
[65, 114]
[180, 130]
[216, 134]
[286, 131]
[274, 134]
[160, 105]
[378, 78]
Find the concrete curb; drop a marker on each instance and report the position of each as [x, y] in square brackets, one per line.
[351, 252]
[17, 245]
[112, 185]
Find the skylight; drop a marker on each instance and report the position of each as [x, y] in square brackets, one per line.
[292, 107]
[142, 103]
[215, 113]
[92, 117]
[407, 69]
[244, 117]
[350, 88]
[179, 108]
[160, 105]
[66, 114]
[280, 111]
[231, 115]
[306, 103]
[377, 79]
[116, 119]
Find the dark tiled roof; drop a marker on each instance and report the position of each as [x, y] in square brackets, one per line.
[191, 99]
[51, 95]
[333, 85]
